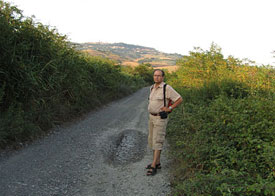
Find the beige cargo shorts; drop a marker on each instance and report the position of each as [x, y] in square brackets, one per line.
[157, 132]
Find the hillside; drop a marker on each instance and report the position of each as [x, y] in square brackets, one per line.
[127, 54]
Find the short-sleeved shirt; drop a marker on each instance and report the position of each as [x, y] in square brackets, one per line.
[156, 101]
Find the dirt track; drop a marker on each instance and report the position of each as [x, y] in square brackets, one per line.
[104, 154]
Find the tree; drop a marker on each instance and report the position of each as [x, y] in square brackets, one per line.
[145, 71]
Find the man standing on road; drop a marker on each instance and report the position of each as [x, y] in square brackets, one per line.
[157, 120]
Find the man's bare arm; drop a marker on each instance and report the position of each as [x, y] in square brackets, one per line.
[175, 104]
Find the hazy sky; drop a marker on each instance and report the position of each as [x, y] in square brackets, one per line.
[242, 28]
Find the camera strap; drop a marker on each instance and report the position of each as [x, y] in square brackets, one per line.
[164, 97]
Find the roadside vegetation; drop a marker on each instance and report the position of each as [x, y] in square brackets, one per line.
[222, 137]
[44, 81]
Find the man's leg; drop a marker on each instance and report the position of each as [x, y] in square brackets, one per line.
[150, 132]
[156, 158]
[158, 128]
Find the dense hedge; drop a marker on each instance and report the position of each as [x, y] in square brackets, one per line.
[223, 135]
[44, 80]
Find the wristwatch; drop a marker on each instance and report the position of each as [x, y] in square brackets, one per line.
[170, 107]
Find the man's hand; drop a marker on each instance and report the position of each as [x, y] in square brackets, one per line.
[166, 109]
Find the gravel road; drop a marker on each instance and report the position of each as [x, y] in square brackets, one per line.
[103, 154]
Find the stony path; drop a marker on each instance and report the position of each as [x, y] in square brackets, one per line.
[104, 154]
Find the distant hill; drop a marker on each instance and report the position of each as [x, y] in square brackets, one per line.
[130, 55]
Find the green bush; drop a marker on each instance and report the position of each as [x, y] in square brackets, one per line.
[222, 137]
[44, 80]
[229, 143]
[145, 71]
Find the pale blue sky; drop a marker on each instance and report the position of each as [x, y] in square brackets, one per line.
[242, 28]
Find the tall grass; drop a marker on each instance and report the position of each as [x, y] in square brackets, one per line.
[223, 135]
[44, 80]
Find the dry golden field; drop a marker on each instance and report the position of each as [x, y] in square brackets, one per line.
[171, 68]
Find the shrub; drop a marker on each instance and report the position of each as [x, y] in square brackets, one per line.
[45, 81]
[145, 72]
[222, 137]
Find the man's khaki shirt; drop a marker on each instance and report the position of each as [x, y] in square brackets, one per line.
[156, 101]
